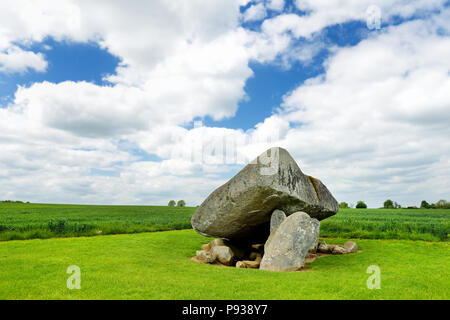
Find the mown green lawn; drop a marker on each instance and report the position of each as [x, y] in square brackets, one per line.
[158, 266]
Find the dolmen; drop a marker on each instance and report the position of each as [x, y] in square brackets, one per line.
[267, 217]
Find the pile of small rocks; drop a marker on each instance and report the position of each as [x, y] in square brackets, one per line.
[348, 247]
[221, 251]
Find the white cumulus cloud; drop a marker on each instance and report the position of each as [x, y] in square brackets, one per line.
[255, 12]
[15, 59]
[374, 125]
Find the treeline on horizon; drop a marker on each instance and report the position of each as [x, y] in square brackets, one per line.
[389, 204]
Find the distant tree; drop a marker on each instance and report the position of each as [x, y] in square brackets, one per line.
[172, 203]
[361, 205]
[442, 204]
[343, 205]
[425, 205]
[181, 203]
[388, 204]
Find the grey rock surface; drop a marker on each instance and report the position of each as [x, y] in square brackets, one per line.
[216, 242]
[337, 249]
[238, 252]
[223, 254]
[276, 219]
[252, 264]
[350, 247]
[205, 256]
[323, 247]
[241, 208]
[288, 244]
[316, 226]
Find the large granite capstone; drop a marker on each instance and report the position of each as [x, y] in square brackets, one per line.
[241, 208]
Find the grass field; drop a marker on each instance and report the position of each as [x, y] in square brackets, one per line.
[28, 221]
[158, 266]
[413, 224]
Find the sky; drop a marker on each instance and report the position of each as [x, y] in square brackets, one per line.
[140, 102]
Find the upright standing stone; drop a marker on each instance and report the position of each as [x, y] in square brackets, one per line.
[288, 245]
[316, 227]
[277, 218]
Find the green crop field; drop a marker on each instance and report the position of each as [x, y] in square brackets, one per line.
[157, 266]
[413, 224]
[28, 221]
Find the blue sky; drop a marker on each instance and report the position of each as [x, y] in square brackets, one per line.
[67, 60]
[78, 61]
[109, 106]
